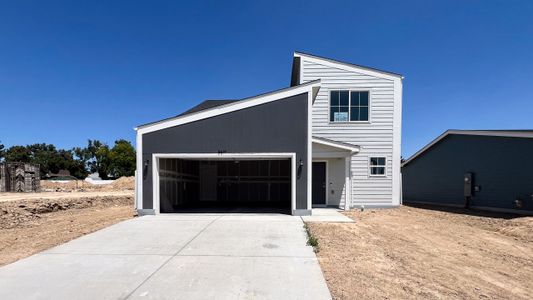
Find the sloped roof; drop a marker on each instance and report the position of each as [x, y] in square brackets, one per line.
[296, 66]
[206, 104]
[214, 107]
[336, 144]
[520, 133]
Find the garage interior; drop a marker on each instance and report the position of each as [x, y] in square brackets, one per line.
[225, 185]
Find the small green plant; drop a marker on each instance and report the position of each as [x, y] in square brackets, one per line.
[311, 239]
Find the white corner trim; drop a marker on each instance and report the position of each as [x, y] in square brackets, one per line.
[310, 101]
[348, 182]
[353, 149]
[230, 107]
[157, 156]
[140, 172]
[347, 67]
[397, 142]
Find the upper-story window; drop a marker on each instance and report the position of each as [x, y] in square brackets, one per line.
[348, 106]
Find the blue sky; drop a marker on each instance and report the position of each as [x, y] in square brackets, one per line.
[74, 70]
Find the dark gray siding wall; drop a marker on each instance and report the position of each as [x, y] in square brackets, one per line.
[279, 126]
[502, 166]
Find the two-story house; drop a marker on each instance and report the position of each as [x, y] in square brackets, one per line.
[332, 138]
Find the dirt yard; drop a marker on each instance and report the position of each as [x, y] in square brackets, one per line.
[415, 253]
[121, 184]
[33, 222]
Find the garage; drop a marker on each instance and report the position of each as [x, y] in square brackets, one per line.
[225, 185]
[248, 155]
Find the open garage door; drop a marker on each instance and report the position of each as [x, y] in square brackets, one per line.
[225, 185]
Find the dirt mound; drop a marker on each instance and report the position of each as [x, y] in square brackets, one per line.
[123, 183]
[60, 186]
[16, 213]
[521, 228]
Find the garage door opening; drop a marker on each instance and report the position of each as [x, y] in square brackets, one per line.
[224, 185]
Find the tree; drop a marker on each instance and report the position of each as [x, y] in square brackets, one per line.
[46, 156]
[18, 154]
[2, 151]
[96, 157]
[122, 159]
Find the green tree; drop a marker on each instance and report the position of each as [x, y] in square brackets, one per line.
[122, 159]
[96, 157]
[46, 156]
[18, 154]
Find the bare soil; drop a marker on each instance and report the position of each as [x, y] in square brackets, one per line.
[36, 224]
[410, 252]
[121, 184]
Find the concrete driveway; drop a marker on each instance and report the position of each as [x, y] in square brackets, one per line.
[183, 256]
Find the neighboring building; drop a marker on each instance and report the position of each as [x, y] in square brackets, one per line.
[332, 138]
[491, 169]
[19, 177]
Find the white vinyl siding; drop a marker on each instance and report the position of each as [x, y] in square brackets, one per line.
[375, 137]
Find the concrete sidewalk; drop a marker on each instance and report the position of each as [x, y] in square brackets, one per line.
[182, 256]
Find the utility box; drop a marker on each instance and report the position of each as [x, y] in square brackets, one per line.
[468, 184]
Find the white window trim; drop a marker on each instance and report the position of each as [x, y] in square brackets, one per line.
[377, 166]
[369, 121]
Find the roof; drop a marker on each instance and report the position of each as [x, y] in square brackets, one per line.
[206, 104]
[526, 133]
[296, 66]
[336, 144]
[215, 108]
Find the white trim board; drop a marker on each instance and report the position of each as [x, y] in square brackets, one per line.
[500, 133]
[311, 88]
[140, 172]
[157, 156]
[334, 144]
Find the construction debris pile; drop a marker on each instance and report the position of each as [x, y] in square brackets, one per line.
[19, 177]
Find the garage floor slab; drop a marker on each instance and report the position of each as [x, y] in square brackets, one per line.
[184, 256]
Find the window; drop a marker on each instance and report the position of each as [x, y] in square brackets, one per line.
[377, 166]
[349, 106]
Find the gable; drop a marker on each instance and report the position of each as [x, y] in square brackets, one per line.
[348, 67]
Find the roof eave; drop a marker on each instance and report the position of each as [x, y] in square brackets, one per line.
[352, 148]
[498, 133]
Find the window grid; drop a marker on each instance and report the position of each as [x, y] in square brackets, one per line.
[349, 106]
[378, 166]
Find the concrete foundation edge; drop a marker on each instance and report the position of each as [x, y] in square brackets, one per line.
[301, 212]
[144, 212]
[482, 208]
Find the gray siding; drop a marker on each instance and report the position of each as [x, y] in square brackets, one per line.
[502, 166]
[279, 126]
